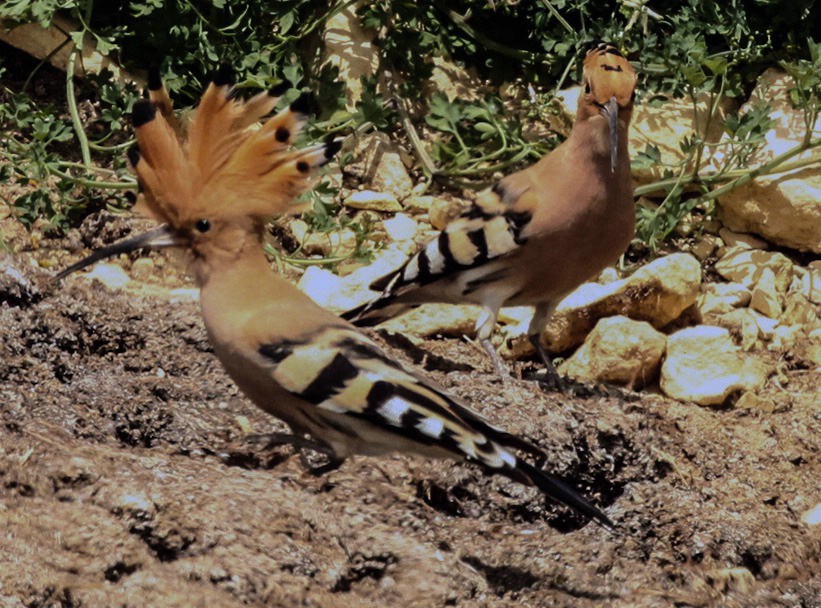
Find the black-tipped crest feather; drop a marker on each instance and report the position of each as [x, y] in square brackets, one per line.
[142, 112]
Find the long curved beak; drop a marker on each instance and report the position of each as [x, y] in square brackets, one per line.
[159, 238]
[611, 111]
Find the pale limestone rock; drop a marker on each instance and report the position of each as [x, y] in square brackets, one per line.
[341, 294]
[783, 207]
[111, 275]
[442, 212]
[747, 265]
[392, 176]
[618, 350]
[400, 227]
[705, 246]
[378, 163]
[740, 239]
[142, 268]
[350, 48]
[435, 320]
[718, 298]
[373, 201]
[766, 298]
[608, 275]
[810, 348]
[812, 517]
[657, 293]
[751, 401]
[705, 367]
[743, 325]
[50, 44]
[810, 285]
[798, 310]
[665, 125]
[766, 325]
[419, 204]
[785, 337]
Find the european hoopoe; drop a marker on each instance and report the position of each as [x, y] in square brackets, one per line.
[291, 357]
[537, 234]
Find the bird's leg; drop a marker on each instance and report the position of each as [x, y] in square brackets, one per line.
[498, 365]
[273, 440]
[484, 327]
[552, 380]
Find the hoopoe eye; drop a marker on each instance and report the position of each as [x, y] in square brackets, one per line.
[203, 225]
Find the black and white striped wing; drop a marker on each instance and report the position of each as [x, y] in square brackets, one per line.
[342, 372]
[339, 372]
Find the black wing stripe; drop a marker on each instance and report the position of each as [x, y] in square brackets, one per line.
[331, 380]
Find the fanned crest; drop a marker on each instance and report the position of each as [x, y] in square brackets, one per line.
[222, 158]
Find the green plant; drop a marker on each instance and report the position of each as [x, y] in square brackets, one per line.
[688, 49]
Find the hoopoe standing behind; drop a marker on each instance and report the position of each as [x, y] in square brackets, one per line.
[291, 357]
[537, 234]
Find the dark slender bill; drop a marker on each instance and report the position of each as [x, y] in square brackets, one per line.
[612, 110]
[153, 239]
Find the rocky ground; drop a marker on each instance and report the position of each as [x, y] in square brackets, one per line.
[127, 478]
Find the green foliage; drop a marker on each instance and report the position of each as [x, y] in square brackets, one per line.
[689, 48]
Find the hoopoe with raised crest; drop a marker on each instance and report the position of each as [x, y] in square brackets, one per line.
[535, 235]
[337, 391]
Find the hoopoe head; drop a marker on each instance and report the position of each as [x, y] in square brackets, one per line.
[609, 88]
[215, 188]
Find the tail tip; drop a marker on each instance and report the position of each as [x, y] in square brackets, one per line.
[302, 104]
[332, 146]
[133, 155]
[280, 89]
[154, 77]
[223, 75]
[142, 112]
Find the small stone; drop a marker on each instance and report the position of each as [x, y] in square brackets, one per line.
[705, 367]
[741, 239]
[812, 517]
[243, 423]
[400, 227]
[374, 201]
[765, 296]
[718, 298]
[142, 269]
[785, 337]
[16, 286]
[738, 579]
[766, 325]
[435, 320]
[110, 275]
[751, 401]
[321, 285]
[419, 204]
[743, 325]
[798, 310]
[810, 284]
[704, 247]
[618, 350]
[442, 212]
[747, 265]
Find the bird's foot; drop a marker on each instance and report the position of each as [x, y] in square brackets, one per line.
[555, 383]
[499, 366]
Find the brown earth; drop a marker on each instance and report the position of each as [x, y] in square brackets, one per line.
[127, 478]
